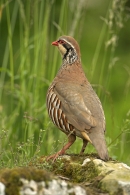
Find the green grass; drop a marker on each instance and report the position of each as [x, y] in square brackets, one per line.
[29, 64]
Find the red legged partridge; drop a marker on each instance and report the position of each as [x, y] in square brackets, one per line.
[72, 104]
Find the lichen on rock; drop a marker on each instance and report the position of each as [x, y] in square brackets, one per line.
[69, 174]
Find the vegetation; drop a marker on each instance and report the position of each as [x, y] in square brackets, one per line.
[28, 64]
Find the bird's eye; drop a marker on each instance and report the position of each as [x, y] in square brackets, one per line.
[61, 41]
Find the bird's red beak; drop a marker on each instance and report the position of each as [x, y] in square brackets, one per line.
[55, 43]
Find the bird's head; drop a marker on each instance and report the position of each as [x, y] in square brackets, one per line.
[68, 48]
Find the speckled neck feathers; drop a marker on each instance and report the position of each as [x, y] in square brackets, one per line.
[70, 57]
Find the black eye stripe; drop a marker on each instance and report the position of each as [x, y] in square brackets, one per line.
[65, 44]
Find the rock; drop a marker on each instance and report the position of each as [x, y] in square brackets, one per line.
[32, 181]
[69, 174]
[55, 187]
[116, 176]
[112, 177]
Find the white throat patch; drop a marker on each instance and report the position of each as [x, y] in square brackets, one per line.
[62, 49]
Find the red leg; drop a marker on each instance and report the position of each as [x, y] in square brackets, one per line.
[71, 140]
[85, 142]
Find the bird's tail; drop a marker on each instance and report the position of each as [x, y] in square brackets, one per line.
[98, 140]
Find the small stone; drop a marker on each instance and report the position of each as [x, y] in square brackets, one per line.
[79, 191]
[86, 161]
[125, 186]
[126, 166]
[2, 189]
[29, 187]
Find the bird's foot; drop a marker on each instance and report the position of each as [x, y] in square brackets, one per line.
[71, 139]
[55, 156]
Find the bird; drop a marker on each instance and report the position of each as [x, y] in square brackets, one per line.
[72, 103]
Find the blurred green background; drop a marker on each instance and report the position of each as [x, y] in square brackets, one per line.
[28, 64]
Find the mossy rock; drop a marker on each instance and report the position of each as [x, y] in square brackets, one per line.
[69, 174]
[71, 166]
[11, 177]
